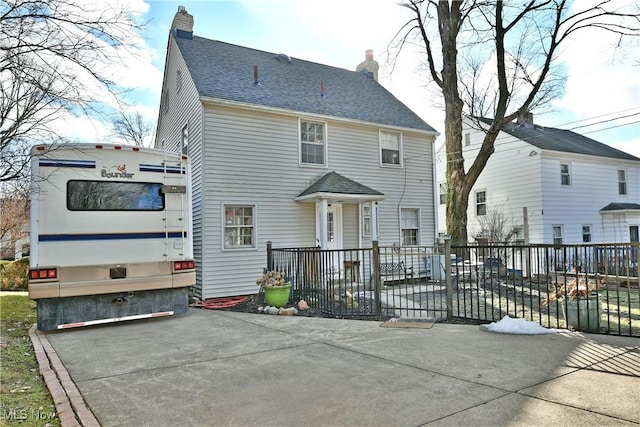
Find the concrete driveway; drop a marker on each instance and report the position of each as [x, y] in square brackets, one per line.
[220, 368]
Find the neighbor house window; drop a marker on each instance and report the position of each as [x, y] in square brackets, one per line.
[239, 226]
[557, 234]
[634, 233]
[390, 148]
[481, 202]
[178, 81]
[185, 140]
[622, 182]
[586, 233]
[409, 226]
[312, 143]
[565, 174]
[166, 100]
[467, 139]
[443, 193]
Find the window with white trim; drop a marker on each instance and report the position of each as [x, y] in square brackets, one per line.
[565, 174]
[239, 226]
[443, 193]
[481, 202]
[622, 182]
[390, 148]
[586, 233]
[312, 143]
[178, 81]
[409, 226]
[557, 234]
[366, 220]
[184, 143]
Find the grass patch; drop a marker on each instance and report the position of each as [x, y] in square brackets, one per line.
[24, 397]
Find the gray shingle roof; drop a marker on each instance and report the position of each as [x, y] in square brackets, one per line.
[620, 207]
[226, 71]
[333, 182]
[554, 139]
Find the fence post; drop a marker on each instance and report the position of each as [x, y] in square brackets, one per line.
[269, 256]
[447, 263]
[375, 263]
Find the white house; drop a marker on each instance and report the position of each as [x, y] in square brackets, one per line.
[573, 189]
[289, 151]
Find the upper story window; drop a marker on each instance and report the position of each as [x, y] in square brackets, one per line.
[178, 80]
[622, 182]
[565, 174]
[586, 233]
[481, 202]
[239, 228]
[443, 193]
[410, 226]
[312, 143]
[390, 148]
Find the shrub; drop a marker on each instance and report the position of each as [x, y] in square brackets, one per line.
[14, 275]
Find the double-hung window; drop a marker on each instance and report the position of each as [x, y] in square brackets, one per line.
[557, 234]
[410, 226]
[366, 219]
[443, 193]
[622, 182]
[481, 202]
[586, 233]
[390, 148]
[565, 174]
[239, 227]
[313, 143]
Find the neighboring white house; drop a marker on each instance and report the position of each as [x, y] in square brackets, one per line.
[574, 189]
[289, 151]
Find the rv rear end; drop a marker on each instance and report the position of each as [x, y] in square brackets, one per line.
[111, 235]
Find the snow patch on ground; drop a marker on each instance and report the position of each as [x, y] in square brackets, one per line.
[509, 325]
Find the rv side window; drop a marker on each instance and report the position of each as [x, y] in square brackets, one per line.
[114, 196]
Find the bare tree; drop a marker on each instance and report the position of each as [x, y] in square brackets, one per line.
[496, 226]
[498, 60]
[53, 56]
[132, 127]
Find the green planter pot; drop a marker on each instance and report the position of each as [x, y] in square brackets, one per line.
[583, 314]
[277, 296]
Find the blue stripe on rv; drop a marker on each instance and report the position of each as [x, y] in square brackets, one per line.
[161, 168]
[107, 236]
[62, 163]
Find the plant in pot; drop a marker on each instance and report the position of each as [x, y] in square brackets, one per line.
[579, 301]
[276, 288]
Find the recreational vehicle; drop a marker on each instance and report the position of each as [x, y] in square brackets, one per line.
[111, 234]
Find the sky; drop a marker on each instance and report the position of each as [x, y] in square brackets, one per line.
[602, 91]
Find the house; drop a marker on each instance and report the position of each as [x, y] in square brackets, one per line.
[289, 151]
[572, 189]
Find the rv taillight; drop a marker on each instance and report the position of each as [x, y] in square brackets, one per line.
[184, 265]
[43, 273]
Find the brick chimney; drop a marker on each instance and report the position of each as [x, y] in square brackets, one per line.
[182, 24]
[369, 66]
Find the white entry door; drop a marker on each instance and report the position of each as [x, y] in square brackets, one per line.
[334, 226]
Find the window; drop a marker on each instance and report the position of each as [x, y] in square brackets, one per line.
[443, 193]
[390, 148]
[586, 233]
[634, 233]
[239, 229]
[481, 202]
[366, 220]
[410, 226]
[467, 139]
[312, 143]
[565, 174]
[178, 81]
[185, 140]
[114, 196]
[622, 182]
[557, 234]
[166, 100]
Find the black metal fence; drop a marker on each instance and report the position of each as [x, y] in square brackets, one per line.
[584, 287]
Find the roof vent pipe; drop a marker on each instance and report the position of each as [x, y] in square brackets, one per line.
[321, 88]
[256, 80]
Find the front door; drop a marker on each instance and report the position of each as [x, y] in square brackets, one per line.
[334, 226]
